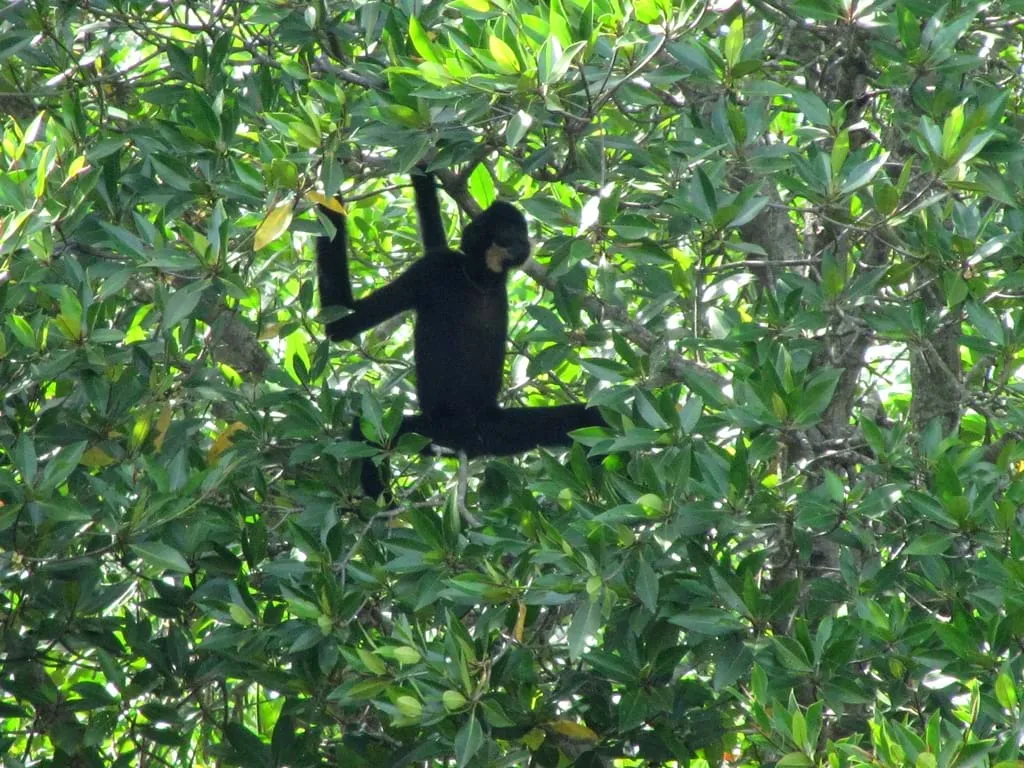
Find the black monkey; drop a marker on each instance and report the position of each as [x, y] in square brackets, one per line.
[461, 304]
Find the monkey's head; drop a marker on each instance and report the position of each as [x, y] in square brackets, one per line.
[498, 236]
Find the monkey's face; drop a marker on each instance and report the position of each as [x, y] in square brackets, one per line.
[509, 244]
[500, 258]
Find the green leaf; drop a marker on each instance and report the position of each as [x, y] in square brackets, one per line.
[182, 303]
[105, 148]
[930, 544]
[887, 197]
[453, 701]
[61, 466]
[481, 185]
[748, 211]
[1006, 691]
[709, 621]
[987, 324]
[840, 149]
[562, 62]
[791, 654]
[647, 585]
[174, 177]
[22, 331]
[951, 128]
[909, 26]
[410, 707]
[816, 397]
[421, 41]
[728, 595]
[759, 685]
[833, 276]
[25, 458]
[518, 127]
[798, 728]
[160, 556]
[872, 612]
[403, 115]
[585, 622]
[468, 740]
[406, 654]
[795, 760]
[734, 41]
[812, 107]
[862, 174]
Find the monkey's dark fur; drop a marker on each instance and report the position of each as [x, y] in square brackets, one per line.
[461, 304]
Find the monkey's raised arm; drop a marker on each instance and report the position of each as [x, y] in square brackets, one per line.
[429, 211]
[399, 295]
[336, 289]
[332, 264]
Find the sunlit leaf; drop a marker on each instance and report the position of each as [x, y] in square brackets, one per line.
[274, 224]
[421, 41]
[503, 55]
[328, 202]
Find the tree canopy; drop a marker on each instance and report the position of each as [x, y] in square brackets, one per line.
[779, 244]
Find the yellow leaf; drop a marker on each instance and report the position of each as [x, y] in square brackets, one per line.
[78, 165]
[534, 739]
[573, 731]
[503, 55]
[96, 458]
[162, 423]
[327, 202]
[140, 431]
[270, 331]
[223, 442]
[43, 169]
[274, 225]
[517, 633]
[778, 407]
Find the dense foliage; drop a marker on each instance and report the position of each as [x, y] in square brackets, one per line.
[779, 243]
